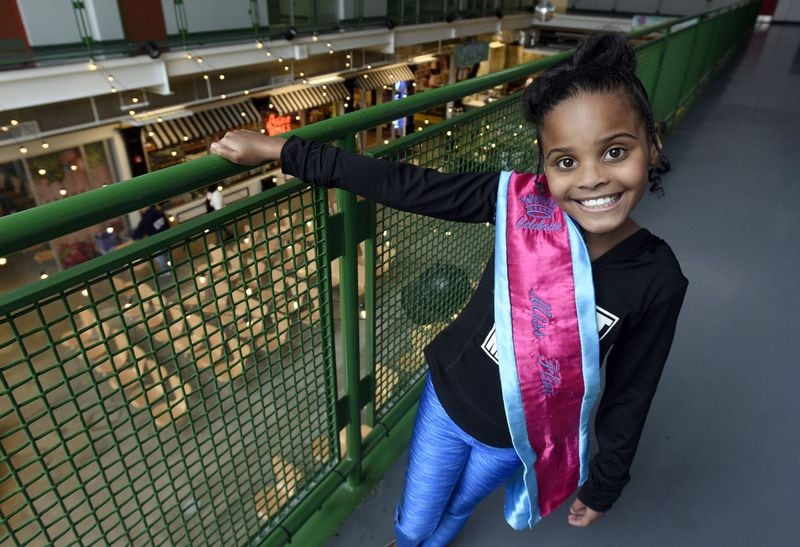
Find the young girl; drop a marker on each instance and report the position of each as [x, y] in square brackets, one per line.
[574, 282]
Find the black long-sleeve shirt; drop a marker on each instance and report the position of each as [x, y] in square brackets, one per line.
[639, 290]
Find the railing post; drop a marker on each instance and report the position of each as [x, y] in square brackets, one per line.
[348, 303]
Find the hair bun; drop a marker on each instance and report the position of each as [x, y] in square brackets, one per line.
[606, 51]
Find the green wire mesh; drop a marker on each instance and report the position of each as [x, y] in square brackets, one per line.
[413, 251]
[192, 405]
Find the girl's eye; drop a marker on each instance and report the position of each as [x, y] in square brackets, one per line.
[615, 153]
[565, 163]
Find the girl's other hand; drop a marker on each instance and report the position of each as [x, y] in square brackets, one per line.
[581, 516]
[247, 147]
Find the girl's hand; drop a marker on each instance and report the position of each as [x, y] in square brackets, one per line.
[581, 516]
[247, 147]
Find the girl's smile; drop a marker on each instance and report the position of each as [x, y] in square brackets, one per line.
[596, 156]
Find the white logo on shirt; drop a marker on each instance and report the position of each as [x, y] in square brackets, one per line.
[490, 346]
[605, 322]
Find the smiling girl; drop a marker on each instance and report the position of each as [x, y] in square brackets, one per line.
[573, 282]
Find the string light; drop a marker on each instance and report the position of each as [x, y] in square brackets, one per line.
[91, 65]
[259, 44]
[42, 172]
[14, 122]
[23, 150]
[110, 230]
[43, 275]
[188, 56]
[223, 96]
[221, 76]
[205, 76]
[85, 292]
[3, 261]
[199, 60]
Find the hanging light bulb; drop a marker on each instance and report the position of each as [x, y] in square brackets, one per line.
[63, 191]
[259, 44]
[23, 150]
[91, 65]
[3, 261]
[45, 145]
[14, 122]
[42, 172]
[43, 275]
[73, 167]
[221, 76]
[110, 230]
[188, 56]
[113, 89]
[135, 100]
[85, 292]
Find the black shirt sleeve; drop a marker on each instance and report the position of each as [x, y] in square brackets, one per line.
[463, 197]
[633, 370]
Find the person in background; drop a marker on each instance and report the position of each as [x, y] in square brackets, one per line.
[153, 221]
[214, 202]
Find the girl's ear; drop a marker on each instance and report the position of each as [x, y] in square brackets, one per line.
[654, 149]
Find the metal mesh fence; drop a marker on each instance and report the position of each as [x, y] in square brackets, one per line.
[417, 255]
[185, 405]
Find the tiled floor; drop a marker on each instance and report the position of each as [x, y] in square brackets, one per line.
[717, 464]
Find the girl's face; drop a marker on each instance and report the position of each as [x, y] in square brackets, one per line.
[596, 158]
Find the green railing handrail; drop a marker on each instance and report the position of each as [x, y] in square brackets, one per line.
[43, 223]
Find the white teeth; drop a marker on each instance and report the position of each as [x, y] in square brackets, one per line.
[600, 202]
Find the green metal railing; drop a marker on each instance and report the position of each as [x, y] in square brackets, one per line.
[237, 397]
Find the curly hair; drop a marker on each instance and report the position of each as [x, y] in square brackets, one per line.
[603, 63]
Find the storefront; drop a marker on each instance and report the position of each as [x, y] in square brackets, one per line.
[379, 86]
[41, 171]
[298, 105]
[173, 137]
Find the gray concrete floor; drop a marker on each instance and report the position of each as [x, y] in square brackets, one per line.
[717, 464]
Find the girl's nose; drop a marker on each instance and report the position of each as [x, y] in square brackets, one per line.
[593, 176]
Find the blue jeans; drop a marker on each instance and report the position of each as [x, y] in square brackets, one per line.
[449, 473]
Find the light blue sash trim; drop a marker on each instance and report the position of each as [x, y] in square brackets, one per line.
[590, 344]
[520, 510]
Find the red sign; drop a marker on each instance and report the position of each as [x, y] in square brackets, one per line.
[276, 125]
